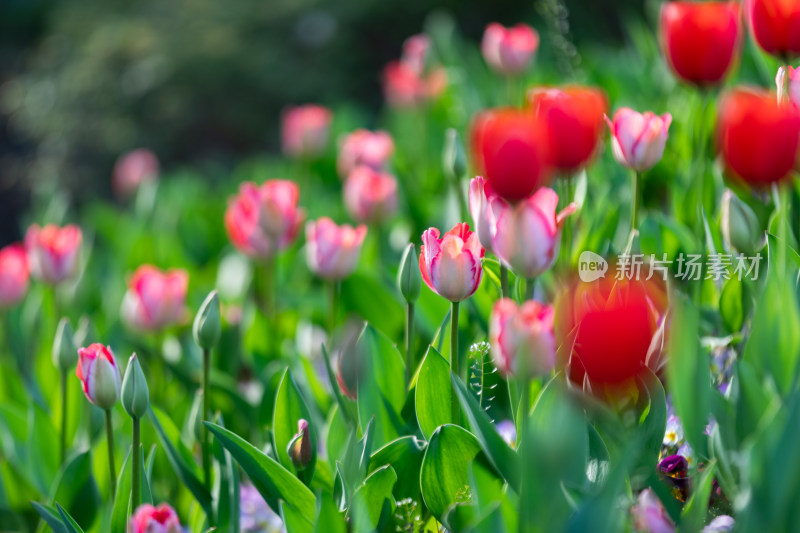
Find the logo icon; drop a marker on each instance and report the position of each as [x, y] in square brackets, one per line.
[591, 266]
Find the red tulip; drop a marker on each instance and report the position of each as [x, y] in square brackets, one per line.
[99, 375]
[369, 195]
[53, 252]
[262, 220]
[611, 326]
[13, 275]
[574, 120]
[364, 147]
[757, 137]
[149, 519]
[513, 151]
[133, 169]
[332, 251]
[305, 130]
[451, 265]
[155, 299]
[700, 40]
[775, 25]
[509, 50]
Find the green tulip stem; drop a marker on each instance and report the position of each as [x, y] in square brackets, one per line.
[334, 302]
[409, 342]
[136, 466]
[455, 365]
[206, 445]
[504, 281]
[112, 470]
[64, 411]
[636, 191]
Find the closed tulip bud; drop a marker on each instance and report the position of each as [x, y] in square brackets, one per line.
[65, 353]
[299, 448]
[509, 50]
[365, 148]
[135, 394]
[522, 338]
[155, 299]
[305, 130]
[99, 375]
[649, 515]
[740, 226]
[13, 275]
[332, 251]
[370, 195]
[408, 277]
[454, 159]
[775, 25]
[53, 252]
[206, 328]
[149, 519]
[451, 265]
[527, 236]
[638, 139]
[758, 138]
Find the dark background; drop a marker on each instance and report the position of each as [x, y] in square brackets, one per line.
[202, 82]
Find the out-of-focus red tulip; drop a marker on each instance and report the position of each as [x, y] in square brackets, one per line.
[526, 236]
[367, 148]
[509, 50]
[132, 169]
[99, 375]
[700, 40]
[332, 251]
[305, 130]
[370, 195]
[775, 25]
[451, 265]
[155, 299]
[757, 137]
[522, 337]
[149, 519]
[788, 82]
[574, 119]
[263, 220]
[608, 330]
[13, 275]
[639, 139]
[513, 150]
[53, 251]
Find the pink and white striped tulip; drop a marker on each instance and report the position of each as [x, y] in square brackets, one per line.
[99, 375]
[332, 251]
[522, 338]
[526, 236]
[305, 130]
[149, 519]
[451, 265]
[263, 220]
[155, 299]
[638, 139]
[480, 198]
[364, 147]
[53, 252]
[415, 51]
[370, 195]
[649, 514]
[509, 50]
[14, 275]
[788, 82]
[132, 169]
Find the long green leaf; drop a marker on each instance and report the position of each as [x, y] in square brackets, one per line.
[432, 394]
[289, 408]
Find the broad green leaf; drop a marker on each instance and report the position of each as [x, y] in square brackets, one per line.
[293, 520]
[42, 454]
[76, 489]
[432, 396]
[271, 479]
[654, 421]
[731, 305]
[69, 523]
[369, 499]
[336, 440]
[50, 516]
[121, 511]
[403, 455]
[180, 458]
[226, 489]
[329, 518]
[693, 515]
[289, 408]
[145, 492]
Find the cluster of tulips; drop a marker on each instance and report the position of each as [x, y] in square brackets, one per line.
[604, 337]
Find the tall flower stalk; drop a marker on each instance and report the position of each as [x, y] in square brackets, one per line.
[206, 331]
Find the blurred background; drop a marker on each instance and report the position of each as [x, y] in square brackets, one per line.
[202, 82]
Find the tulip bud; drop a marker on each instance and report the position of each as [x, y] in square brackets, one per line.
[454, 159]
[408, 278]
[740, 226]
[135, 395]
[65, 353]
[195, 421]
[99, 375]
[206, 329]
[299, 449]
